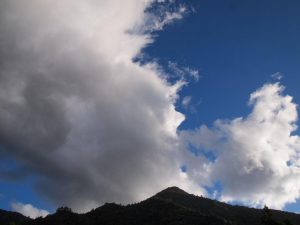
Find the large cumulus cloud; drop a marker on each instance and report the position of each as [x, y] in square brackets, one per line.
[76, 112]
[255, 158]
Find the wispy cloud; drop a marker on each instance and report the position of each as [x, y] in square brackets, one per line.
[163, 13]
[183, 72]
[277, 76]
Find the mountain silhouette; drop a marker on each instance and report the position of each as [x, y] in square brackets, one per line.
[171, 206]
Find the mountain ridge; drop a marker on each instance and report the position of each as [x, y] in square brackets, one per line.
[171, 206]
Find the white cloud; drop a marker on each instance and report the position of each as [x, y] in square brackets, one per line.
[257, 157]
[186, 101]
[92, 124]
[28, 210]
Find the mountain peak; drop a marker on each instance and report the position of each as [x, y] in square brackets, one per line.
[170, 193]
[174, 189]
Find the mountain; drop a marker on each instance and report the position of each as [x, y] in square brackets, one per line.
[171, 206]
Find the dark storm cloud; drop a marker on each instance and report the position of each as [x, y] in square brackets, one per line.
[76, 111]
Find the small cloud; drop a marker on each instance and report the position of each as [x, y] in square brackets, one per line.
[277, 76]
[216, 195]
[186, 101]
[28, 210]
[193, 73]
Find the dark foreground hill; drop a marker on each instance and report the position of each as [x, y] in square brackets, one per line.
[171, 206]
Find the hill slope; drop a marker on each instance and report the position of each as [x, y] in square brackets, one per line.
[171, 206]
[9, 217]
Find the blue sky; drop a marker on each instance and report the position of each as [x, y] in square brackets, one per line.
[235, 45]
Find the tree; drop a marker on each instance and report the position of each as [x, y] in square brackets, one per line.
[64, 209]
[267, 218]
[287, 222]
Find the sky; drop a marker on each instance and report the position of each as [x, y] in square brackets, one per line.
[113, 101]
